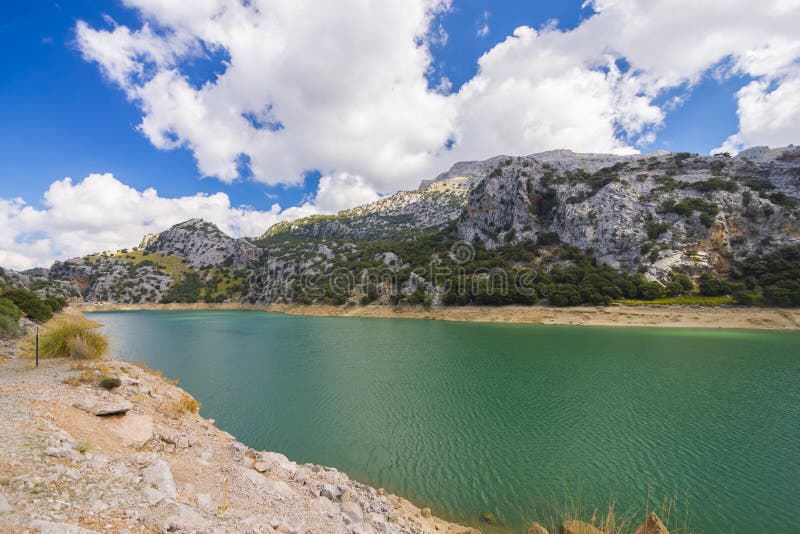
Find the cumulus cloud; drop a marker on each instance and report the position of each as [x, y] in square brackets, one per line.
[306, 87]
[342, 87]
[101, 213]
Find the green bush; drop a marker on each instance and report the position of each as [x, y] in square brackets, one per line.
[186, 290]
[73, 337]
[9, 309]
[9, 327]
[746, 298]
[55, 304]
[109, 382]
[30, 304]
[712, 286]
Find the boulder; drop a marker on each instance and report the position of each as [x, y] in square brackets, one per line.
[184, 518]
[352, 513]
[579, 527]
[133, 430]
[536, 528]
[114, 405]
[159, 476]
[652, 525]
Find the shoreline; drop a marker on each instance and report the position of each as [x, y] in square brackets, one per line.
[157, 466]
[619, 315]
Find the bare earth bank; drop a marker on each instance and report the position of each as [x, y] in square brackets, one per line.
[615, 315]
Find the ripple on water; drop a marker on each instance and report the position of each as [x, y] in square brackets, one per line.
[467, 418]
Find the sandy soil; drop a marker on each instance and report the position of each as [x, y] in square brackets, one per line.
[615, 315]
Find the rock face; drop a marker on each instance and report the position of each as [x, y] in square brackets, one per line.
[202, 244]
[651, 214]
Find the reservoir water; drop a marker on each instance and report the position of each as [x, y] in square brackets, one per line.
[470, 418]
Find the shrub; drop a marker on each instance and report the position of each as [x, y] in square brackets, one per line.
[9, 309]
[9, 326]
[73, 338]
[746, 298]
[109, 382]
[712, 286]
[56, 305]
[30, 304]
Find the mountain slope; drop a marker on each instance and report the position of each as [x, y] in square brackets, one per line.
[639, 223]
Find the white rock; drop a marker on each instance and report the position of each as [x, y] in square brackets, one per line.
[352, 513]
[204, 501]
[5, 507]
[153, 495]
[184, 518]
[159, 476]
[46, 527]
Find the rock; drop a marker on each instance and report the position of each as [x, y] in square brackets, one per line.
[578, 527]
[98, 462]
[204, 501]
[362, 528]
[182, 442]
[352, 513]
[536, 528]
[74, 474]
[329, 492]
[348, 495]
[652, 525]
[425, 512]
[159, 476]
[184, 518]
[133, 430]
[5, 507]
[153, 495]
[261, 467]
[487, 518]
[64, 452]
[46, 527]
[237, 451]
[115, 405]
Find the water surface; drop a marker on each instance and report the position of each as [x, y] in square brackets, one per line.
[469, 418]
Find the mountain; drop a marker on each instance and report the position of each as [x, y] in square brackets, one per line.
[578, 227]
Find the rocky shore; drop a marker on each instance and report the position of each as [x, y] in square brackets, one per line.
[668, 316]
[76, 458]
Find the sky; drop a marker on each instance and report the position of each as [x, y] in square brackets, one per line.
[121, 118]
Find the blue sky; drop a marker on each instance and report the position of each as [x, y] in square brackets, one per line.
[267, 110]
[62, 119]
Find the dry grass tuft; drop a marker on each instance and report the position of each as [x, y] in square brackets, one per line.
[178, 408]
[72, 337]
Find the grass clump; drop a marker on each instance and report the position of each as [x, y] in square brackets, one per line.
[109, 382]
[176, 409]
[73, 337]
[188, 404]
[672, 511]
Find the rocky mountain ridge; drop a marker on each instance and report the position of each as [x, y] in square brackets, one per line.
[646, 216]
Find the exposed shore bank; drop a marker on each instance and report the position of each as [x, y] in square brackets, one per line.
[77, 458]
[668, 316]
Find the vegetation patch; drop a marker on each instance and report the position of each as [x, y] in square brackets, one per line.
[73, 337]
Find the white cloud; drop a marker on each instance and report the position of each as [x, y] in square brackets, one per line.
[101, 213]
[308, 88]
[483, 26]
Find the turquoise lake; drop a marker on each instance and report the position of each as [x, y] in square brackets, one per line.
[470, 418]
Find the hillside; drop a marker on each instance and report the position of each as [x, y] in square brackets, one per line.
[557, 227]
